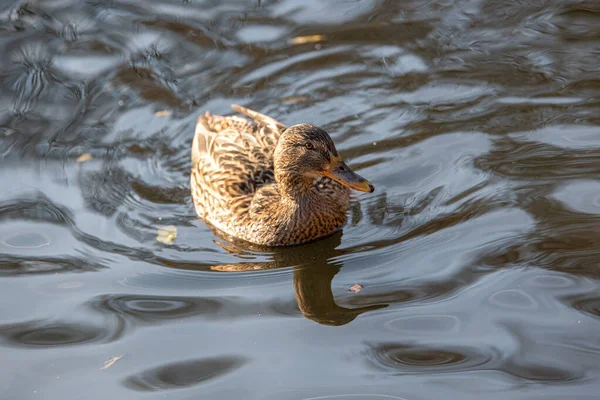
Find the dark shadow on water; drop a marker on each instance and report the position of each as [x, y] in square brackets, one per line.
[183, 374]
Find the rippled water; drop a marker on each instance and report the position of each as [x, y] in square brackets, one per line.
[479, 253]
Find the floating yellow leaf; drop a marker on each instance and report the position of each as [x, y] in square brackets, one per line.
[111, 361]
[307, 39]
[295, 99]
[167, 234]
[84, 157]
[162, 113]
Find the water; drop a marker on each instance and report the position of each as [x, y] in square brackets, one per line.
[478, 254]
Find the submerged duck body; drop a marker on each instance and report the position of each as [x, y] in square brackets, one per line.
[263, 182]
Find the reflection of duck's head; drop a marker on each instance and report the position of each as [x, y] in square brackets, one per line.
[312, 286]
[314, 268]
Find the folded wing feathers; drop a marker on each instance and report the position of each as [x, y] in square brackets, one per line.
[218, 138]
[234, 155]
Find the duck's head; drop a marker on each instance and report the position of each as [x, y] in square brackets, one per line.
[305, 152]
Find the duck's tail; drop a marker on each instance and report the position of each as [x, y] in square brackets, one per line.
[258, 117]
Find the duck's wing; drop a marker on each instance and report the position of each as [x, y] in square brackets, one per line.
[233, 156]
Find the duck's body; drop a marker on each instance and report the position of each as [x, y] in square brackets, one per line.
[253, 180]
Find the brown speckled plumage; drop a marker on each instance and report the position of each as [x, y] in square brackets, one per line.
[258, 181]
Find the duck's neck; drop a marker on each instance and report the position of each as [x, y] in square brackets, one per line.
[294, 186]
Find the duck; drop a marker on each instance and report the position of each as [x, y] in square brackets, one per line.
[260, 181]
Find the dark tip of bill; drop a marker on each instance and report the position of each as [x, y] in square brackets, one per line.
[371, 188]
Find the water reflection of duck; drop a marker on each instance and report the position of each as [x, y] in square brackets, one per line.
[265, 183]
[313, 272]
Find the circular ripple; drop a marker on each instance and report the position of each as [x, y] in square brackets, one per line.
[154, 308]
[159, 306]
[29, 240]
[514, 299]
[551, 281]
[421, 359]
[58, 334]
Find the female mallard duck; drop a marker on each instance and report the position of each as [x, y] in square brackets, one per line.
[268, 184]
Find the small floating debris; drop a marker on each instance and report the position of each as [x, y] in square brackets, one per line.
[162, 113]
[108, 363]
[355, 288]
[84, 157]
[307, 39]
[166, 234]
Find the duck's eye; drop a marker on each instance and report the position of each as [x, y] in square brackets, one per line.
[309, 146]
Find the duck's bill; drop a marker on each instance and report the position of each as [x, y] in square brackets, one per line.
[341, 173]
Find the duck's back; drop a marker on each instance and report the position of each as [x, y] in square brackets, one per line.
[232, 157]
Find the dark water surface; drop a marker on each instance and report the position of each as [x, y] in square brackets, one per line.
[478, 122]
